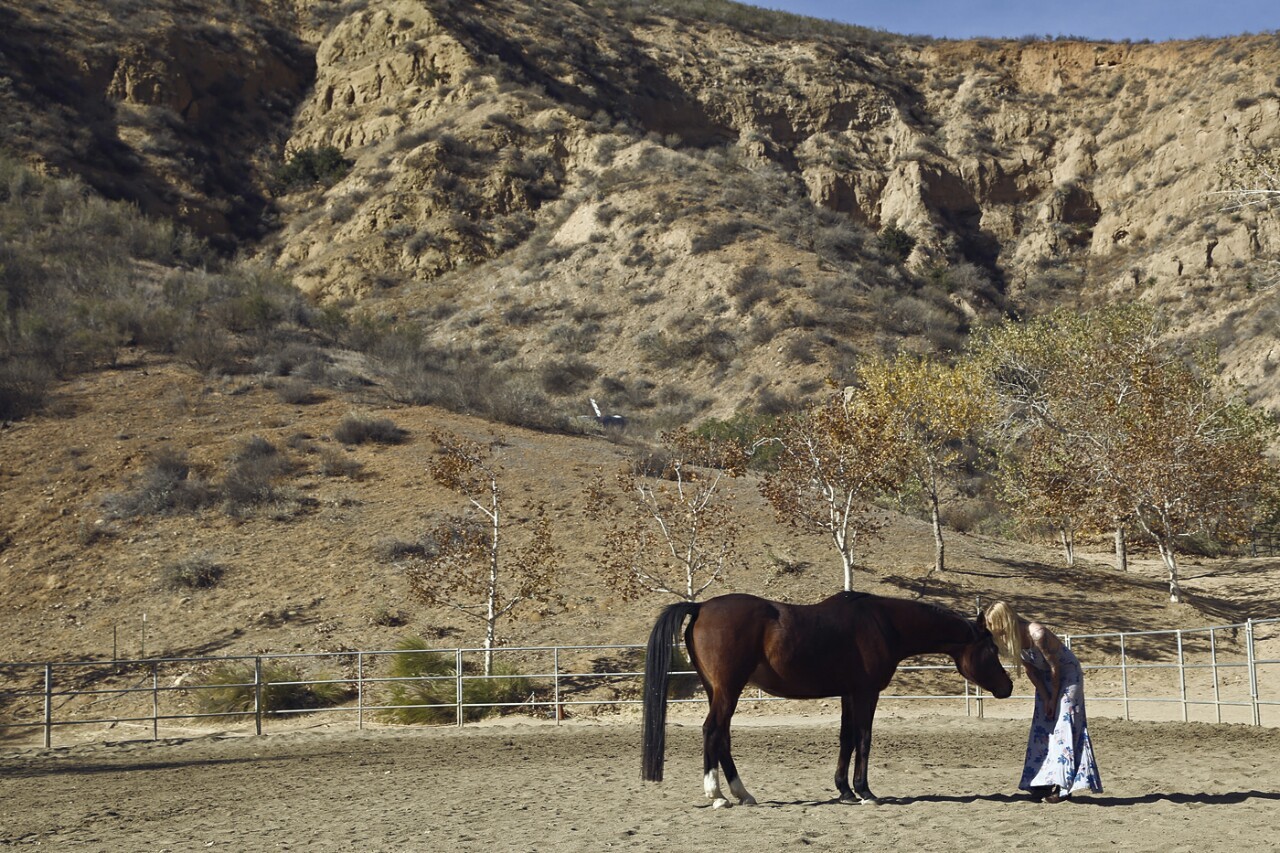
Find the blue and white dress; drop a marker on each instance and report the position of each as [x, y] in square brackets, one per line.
[1059, 751]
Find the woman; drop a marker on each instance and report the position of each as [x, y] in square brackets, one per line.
[1059, 758]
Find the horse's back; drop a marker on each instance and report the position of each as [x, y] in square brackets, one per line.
[792, 650]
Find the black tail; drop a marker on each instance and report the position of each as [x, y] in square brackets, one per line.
[657, 675]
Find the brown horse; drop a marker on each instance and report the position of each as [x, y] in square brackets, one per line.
[849, 646]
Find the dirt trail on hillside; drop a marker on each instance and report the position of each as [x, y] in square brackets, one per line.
[946, 783]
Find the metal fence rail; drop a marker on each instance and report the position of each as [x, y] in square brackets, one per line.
[1218, 668]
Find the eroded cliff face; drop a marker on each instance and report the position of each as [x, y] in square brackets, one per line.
[665, 202]
[165, 105]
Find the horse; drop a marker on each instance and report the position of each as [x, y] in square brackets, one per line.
[848, 645]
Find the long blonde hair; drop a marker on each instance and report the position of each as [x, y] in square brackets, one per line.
[1003, 622]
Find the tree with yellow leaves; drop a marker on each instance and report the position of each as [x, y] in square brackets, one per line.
[938, 408]
[1111, 427]
[466, 567]
[1191, 457]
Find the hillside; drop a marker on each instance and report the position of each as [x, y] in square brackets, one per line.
[680, 215]
[315, 568]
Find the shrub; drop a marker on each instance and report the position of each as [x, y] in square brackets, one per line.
[334, 463]
[198, 571]
[229, 689]
[296, 392]
[308, 167]
[438, 688]
[359, 429]
[896, 243]
[568, 376]
[251, 481]
[24, 385]
[165, 487]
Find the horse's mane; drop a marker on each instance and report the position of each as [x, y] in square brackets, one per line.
[947, 613]
[944, 614]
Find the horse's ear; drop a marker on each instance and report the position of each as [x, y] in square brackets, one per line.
[981, 621]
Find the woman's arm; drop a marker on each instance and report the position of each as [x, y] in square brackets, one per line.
[1050, 646]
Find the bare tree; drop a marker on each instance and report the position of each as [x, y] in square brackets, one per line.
[671, 531]
[836, 457]
[467, 567]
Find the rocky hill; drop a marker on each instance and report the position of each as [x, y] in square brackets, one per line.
[672, 211]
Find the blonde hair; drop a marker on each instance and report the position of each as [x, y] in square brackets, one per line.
[1003, 622]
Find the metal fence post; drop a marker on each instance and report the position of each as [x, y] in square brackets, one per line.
[360, 690]
[48, 705]
[1253, 672]
[155, 701]
[458, 674]
[555, 682]
[1182, 676]
[257, 694]
[1213, 658]
[1124, 677]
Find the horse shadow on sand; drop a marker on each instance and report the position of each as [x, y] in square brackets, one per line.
[1204, 799]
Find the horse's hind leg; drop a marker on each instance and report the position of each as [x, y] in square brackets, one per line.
[716, 752]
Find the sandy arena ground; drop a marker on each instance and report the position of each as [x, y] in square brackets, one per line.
[948, 783]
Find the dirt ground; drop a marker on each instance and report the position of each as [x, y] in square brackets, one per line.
[947, 783]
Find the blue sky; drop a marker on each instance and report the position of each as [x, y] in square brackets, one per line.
[1157, 20]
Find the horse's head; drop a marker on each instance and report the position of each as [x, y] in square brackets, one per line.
[979, 661]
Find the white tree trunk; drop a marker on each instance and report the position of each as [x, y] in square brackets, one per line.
[1170, 559]
[939, 547]
[1068, 538]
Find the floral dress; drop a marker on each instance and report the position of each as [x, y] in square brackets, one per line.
[1059, 751]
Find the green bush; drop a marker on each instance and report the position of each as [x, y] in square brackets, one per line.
[414, 660]
[896, 243]
[322, 166]
[228, 689]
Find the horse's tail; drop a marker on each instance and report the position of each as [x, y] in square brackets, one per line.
[657, 675]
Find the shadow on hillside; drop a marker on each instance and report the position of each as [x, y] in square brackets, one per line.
[1060, 594]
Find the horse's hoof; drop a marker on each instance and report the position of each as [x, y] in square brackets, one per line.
[870, 801]
[849, 799]
[720, 803]
[748, 800]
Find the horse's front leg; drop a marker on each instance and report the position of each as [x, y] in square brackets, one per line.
[848, 738]
[864, 712]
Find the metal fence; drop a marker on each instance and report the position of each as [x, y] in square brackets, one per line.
[1214, 674]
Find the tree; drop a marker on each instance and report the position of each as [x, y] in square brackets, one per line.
[467, 567]
[673, 533]
[896, 243]
[1058, 383]
[1112, 427]
[938, 407]
[836, 457]
[1192, 459]
[1045, 483]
